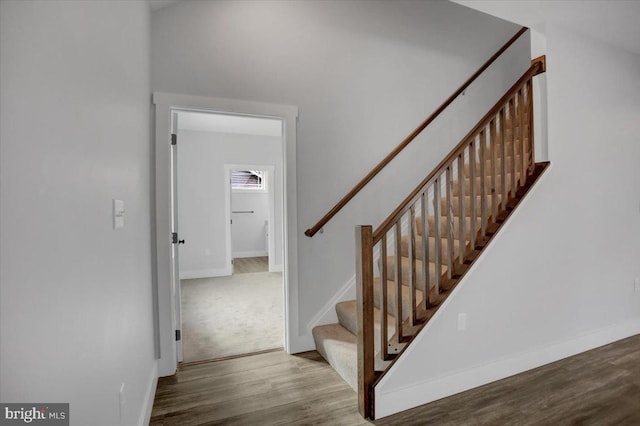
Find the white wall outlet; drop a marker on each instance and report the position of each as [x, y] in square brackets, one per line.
[121, 398]
[462, 322]
[636, 285]
[118, 214]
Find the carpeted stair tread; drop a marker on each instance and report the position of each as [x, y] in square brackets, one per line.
[467, 204]
[455, 190]
[498, 164]
[348, 318]
[434, 298]
[339, 347]
[444, 228]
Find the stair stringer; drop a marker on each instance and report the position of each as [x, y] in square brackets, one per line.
[441, 361]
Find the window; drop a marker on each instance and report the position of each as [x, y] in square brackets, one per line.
[248, 180]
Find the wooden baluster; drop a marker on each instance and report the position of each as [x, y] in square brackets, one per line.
[483, 184]
[530, 108]
[412, 264]
[462, 239]
[364, 303]
[514, 163]
[398, 281]
[437, 247]
[424, 212]
[449, 190]
[494, 191]
[383, 302]
[472, 196]
[523, 146]
[503, 163]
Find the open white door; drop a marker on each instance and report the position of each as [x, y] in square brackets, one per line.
[175, 258]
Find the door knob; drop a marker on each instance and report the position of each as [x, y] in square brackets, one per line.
[181, 242]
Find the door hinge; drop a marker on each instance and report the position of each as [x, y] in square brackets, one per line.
[174, 139]
[174, 237]
[178, 336]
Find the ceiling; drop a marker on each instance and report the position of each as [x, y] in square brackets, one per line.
[615, 22]
[159, 4]
[221, 123]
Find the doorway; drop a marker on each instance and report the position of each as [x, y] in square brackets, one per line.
[250, 201]
[166, 284]
[226, 213]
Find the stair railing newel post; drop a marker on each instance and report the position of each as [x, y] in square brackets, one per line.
[364, 304]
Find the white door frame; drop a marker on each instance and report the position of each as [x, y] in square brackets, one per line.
[270, 179]
[164, 104]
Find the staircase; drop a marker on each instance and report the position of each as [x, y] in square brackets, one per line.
[408, 266]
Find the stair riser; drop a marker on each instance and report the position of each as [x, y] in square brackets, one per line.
[498, 166]
[444, 228]
[406, 268]
[467, 204]
[404, 245]
[348, 318]
[456, 207]
[488, 184]
[391, 298]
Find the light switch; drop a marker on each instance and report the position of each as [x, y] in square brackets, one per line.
[118, 214]
[462, 322]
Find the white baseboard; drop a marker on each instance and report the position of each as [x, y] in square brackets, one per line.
[205, 273]
[391, 402]
[326, 315]
[299, 344]
[258, 253]
[275, 268]
[147, 406]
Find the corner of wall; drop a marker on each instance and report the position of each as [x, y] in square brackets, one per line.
[327, 314]
[147, 406]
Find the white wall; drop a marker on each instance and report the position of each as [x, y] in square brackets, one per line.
[76, 318]
[364, 75]
[249, 232]
[201, 194]
[560, 278]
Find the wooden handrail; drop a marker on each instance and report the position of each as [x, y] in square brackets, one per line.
[382, 164]
[537, 67]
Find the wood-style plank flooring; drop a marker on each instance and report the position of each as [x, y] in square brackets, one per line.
[599, 387]
[246, 265]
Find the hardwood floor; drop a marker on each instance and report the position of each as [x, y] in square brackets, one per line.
[244, 265]
[599, 387]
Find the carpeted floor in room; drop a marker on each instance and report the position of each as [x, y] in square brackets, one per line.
[234, 315]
